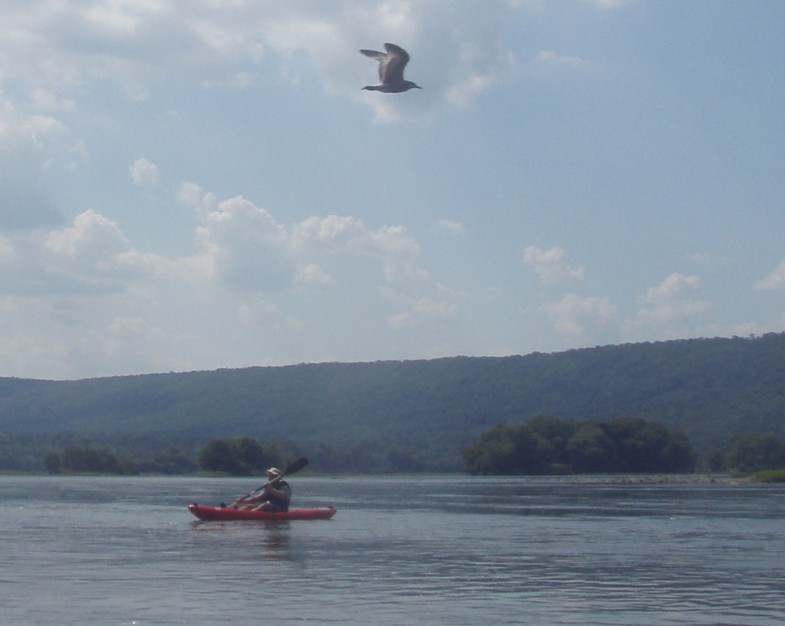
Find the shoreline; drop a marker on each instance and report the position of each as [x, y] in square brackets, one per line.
[685, 479]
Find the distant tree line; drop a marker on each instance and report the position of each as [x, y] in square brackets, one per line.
[752, 452]
[89, 460]
[95, 459]
[544, 445]
[547, 445]
[238, 456]
[74, 453]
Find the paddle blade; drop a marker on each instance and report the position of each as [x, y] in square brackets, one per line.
[296, 466]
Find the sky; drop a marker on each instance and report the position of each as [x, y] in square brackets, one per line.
[202, 184]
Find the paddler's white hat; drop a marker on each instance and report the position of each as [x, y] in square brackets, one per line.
[275, 471]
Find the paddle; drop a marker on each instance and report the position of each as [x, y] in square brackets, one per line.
[292, 468]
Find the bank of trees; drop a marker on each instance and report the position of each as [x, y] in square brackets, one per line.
[87, 459]
[75, 454]
[543, 445]
[751, 452]
[548, 445]
[238, 456]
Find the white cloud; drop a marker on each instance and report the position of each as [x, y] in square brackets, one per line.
[86, 257]
[775, 280]
[574, 315]
[92, 236]
[464, 92]
[608, 4]
[27, 145]
[454, 46]
[44, 100]
[673, 300]
[312, 274]
[551, 58]
[91, 257]
[422, 309]
[550, 267]
[453, 227]
[410, 289]
[192, 196]
[143, 172]
[7, 251]
[348, 234]
[250, 250]
[99, 300]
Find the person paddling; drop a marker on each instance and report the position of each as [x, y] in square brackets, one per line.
[274, 496]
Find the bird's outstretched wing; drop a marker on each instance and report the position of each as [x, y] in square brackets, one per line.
[391, 63]
[394, 63]
[381, 57]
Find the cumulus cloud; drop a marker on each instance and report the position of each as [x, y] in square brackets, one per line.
[27, 142]
[348, 234]
[81, 259]
[422, 309]
[238, 245]
[775, 280]
[44, 100]
[454, 46]
[675, 299]
[98, 292]
[411, 289]
[550, 267]
[249, 251]
[192, 196]
[574, 315]
[143, 172]
[91, 238]
[312, 274]
[451, 226]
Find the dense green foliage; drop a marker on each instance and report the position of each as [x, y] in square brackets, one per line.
[144, 454]
[552, 446]
[770, 476]
[751, 452]
[88, 459]
[240, 456]
[93, 459]
[400, 416]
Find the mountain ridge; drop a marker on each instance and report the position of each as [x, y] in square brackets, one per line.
[711, 389]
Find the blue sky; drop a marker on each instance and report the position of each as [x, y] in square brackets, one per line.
[192, 185]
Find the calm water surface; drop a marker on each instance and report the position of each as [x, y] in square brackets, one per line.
[429, 550]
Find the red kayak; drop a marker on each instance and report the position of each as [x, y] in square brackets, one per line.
[215, 513]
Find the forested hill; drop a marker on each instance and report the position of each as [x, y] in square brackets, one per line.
[711, 389]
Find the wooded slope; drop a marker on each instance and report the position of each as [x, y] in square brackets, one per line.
[711, 389]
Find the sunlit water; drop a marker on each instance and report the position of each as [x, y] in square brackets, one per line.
[429, 550]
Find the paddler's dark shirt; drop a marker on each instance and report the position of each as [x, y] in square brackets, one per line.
[280, 504]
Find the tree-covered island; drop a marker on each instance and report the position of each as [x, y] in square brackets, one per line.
[548, 445]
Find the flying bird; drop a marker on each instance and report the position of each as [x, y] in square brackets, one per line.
[391, 66]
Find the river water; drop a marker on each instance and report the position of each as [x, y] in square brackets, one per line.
[432, 550]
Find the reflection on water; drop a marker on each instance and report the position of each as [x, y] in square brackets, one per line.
[271, 542]
[451, 550]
